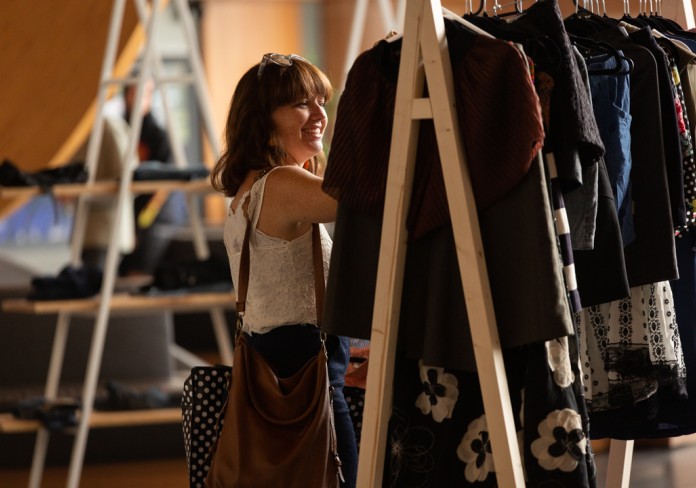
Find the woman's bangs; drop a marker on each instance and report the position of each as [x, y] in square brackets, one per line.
[302, 82]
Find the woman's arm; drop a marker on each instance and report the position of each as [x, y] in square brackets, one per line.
[293, 200]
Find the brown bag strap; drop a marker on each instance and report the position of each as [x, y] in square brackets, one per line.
[319, 284]
[243, 272]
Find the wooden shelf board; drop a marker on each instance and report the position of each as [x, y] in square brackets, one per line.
[193, 186]
[99, 419]
[183, 301]
[98, 188]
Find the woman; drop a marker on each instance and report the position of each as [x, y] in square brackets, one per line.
[274, 149]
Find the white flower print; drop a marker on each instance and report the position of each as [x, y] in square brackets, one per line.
[440, 392]
[475, 451]
[559, 361]
[562, 442]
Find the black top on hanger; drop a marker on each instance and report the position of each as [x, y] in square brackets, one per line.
[586, 22]
[591, 50]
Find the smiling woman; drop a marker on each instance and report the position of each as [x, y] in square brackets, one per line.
[277, 120]
[300, 128]
[273, 231]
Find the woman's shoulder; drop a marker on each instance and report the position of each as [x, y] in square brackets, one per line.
[288, 174]
[290, 184]
[289, 178]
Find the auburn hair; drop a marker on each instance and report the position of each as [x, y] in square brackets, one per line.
[249, 140]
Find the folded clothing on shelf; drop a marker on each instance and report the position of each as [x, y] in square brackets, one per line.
[11, 175]
[61, 412]
[157, 170]
[53, 414]
[71, 282]
[122, 397]
[188, 274]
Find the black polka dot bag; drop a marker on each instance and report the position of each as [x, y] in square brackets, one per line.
[203, 410]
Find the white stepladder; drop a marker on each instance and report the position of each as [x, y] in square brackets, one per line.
[151, 66]
[424, 55]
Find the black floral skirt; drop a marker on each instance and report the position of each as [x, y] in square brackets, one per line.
[438, 431]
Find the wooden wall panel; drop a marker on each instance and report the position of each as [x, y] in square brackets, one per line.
[50, 63]
[235, 35]
[50, 59]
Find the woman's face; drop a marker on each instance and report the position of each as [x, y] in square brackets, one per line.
[300, 128]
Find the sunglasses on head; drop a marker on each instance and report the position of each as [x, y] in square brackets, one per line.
[279, 59]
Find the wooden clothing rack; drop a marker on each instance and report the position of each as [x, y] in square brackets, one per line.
[424, 55]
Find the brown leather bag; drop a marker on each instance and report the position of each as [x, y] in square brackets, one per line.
[277, 431]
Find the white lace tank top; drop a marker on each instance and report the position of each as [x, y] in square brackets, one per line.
[281, 272]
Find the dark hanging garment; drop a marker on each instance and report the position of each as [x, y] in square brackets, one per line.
[531, 301]
[668, 410]
[684, 290]
[651, 257]
[670, 127]
[686, 143]
[609, 81]
[500, 145]
[438, 433]
[601, 270]
[573, 136]
[574, 139]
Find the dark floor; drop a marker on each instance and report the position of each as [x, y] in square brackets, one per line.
[651, 468]
[658, 467]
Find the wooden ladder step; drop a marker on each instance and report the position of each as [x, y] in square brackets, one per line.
[99, 419]
[99, 188]
[123, 301]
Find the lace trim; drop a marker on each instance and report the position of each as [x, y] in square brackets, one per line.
[281, 285]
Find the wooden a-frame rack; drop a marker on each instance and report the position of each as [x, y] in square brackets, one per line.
[424, 55]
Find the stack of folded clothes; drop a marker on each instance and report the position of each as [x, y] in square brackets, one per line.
[157, 170]
[53, 414]
[11, 175]
[71, 282]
